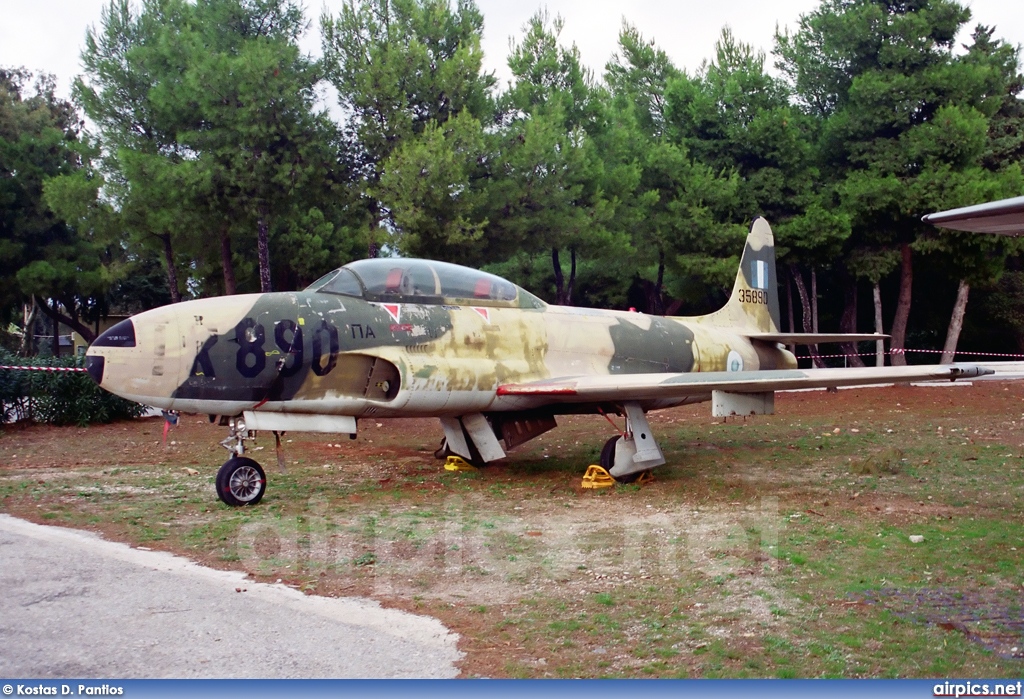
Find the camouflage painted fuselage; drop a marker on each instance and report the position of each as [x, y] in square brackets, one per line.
[310, 352]
[414, 337]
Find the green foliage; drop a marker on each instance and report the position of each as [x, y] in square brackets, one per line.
[549, 77]
[399, 65]
[245, 106]
[734, 116]
[562, 183]
[732, 149]
[896, 106]
[600, 282]
[906, 126]
[213, 164]
[40, 254]
[57, 397]
[430, 184]
[213, 146]
[639, 74]
[403, 69]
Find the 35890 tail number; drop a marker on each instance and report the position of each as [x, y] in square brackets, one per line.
[752, 296]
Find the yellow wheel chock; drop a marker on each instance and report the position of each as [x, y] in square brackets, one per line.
[457, 463]
[597, 477]
[645, 478]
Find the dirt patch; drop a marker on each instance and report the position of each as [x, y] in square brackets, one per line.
[738, 560]
[993, 618]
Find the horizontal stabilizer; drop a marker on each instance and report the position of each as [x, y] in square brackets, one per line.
[620, 387]
[813, 338]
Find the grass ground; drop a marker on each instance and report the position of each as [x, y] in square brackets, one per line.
[779, 546]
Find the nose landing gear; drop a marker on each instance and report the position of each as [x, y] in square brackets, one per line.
[240, 481]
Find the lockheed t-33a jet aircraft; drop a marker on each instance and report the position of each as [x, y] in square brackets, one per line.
[395, 337]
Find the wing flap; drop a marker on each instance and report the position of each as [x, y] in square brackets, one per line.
[619, 387]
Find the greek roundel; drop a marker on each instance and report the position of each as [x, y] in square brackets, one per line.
[734, 362]
[759, 274]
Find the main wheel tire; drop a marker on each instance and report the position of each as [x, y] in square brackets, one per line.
[607, 461]
[241, 481]
[474, 459]
[444, 451]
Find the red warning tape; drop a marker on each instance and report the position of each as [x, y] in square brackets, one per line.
[976, 354]
[903, 351]
[42, 368]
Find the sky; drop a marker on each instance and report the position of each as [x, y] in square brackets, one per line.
[48, 35]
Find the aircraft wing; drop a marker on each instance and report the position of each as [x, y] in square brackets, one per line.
[618, 387]
[814, 338]
[1005, 217]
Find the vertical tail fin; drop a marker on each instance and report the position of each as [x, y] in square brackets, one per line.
[754, 302]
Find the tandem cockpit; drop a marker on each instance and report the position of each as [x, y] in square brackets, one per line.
[400, 280]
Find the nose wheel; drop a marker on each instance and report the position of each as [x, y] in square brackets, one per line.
[241, 481]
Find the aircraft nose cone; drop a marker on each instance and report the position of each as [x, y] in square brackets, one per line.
[94, 365]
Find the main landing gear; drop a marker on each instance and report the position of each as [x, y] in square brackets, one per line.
[607, 461]
[240, 481]
[599, 476]
[457, 462]
[630, 456]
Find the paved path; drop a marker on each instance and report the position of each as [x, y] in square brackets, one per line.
[73, 605]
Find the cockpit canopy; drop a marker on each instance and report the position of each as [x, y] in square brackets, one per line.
[401, 280]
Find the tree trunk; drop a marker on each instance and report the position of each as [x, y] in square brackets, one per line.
[559, 279]
[230, 286]
[28, 339]
[570, 287]
[876, 292]
[899, 322]
[56, 332]
[650, 302]
[956, 322]
[263, 251]
[373, 250]
[673, 308]
[814, 299]
[805, 305]
[56, 316]
[172, 272]
[789, 303]
[848, 321]
[658, 305]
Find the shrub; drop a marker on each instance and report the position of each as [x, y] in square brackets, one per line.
[57, 397]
